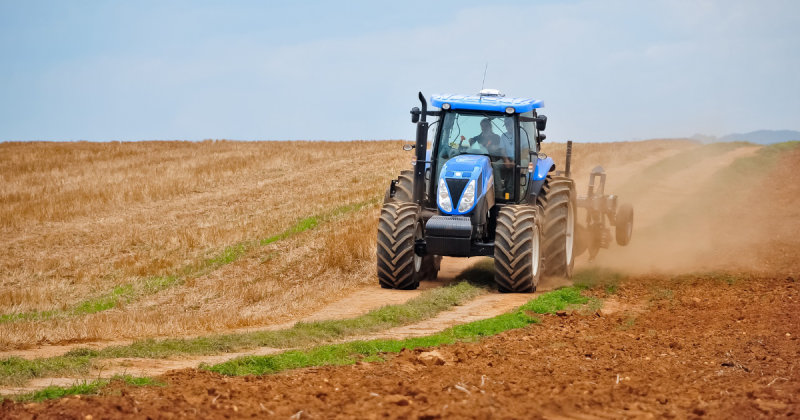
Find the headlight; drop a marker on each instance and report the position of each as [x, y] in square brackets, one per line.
[510, 110]
[468, 198]
[444, 197]
[445, 106]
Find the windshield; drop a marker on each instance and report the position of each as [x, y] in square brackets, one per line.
[477, 134]
[480, 134]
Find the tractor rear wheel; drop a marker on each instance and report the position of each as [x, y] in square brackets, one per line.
[399, 226]
[403, 188]
[518, 249]
[624, 224]
[560, 214]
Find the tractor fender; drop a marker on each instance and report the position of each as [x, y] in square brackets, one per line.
[543, 167]
[537, 178]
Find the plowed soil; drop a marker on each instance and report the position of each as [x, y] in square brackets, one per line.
[658, 355]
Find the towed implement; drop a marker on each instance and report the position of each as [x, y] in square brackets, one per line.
[485, 189]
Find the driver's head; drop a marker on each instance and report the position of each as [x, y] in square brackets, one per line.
[486, 126]
[509, 125]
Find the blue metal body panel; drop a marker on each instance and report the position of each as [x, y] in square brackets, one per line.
[478, 167]
[486, 103]
[542, 168]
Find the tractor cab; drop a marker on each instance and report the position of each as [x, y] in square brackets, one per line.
[486, 135]
[501, 129]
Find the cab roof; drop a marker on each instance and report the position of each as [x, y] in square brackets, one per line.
[494, 103]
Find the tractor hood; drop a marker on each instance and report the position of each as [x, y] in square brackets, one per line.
[456, 177]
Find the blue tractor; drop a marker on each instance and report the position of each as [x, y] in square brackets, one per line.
[485, 189]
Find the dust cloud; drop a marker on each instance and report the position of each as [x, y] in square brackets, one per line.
[720, 208]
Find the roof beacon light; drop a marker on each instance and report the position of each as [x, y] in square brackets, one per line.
[510, 110]
[445, 106]
[490, 92]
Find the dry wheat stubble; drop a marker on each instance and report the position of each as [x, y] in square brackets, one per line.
[81, 218]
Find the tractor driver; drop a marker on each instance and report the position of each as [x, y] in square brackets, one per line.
[498, 148]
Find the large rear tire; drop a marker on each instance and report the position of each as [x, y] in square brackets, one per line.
[560, 216]
[624, 224]
[518, 249]
[399, 226]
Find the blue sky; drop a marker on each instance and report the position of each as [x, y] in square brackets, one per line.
[264, 70]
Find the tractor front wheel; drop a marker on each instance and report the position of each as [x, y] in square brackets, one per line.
[518, 249]
[403, 187]
[400, 225]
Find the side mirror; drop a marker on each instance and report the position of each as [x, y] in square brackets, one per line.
[408, 147]
[541, 122]
[415, 115]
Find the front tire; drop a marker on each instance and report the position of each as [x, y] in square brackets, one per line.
[403, 188]
[560, 215]
[518, 249]
[399, 226]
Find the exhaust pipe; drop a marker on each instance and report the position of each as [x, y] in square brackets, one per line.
[569, 159]
[418, 193]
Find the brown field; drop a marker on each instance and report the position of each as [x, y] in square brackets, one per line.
[701, 325]
[79, 219]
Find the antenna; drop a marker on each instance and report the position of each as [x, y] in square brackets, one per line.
[480, 97]
[484, 75]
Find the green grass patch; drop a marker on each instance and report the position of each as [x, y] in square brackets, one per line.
[83, 388]
[480, 274]
[128, 293]
[16, 370]
[227, 256]
[373, 350]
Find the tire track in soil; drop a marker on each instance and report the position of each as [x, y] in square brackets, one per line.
[482, 307]
[361, 301]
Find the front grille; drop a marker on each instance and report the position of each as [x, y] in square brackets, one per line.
[456, 187]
